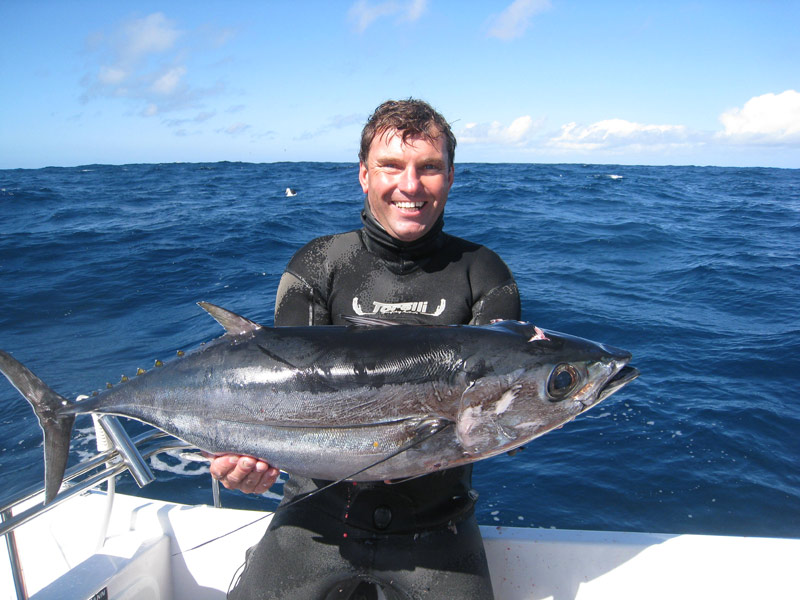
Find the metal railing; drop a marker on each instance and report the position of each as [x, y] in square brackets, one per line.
[126, 454]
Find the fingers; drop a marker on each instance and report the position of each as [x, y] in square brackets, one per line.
[243, 473]
[251, 476]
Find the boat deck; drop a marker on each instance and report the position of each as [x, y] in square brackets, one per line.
[154, 549]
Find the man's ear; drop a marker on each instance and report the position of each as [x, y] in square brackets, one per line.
[363, 177]
[450, 177]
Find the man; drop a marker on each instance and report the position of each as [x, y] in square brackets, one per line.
[409, 539]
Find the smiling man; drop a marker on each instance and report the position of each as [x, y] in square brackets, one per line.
[410, 539]
[406, 176]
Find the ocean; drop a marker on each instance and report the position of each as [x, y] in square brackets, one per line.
[695, 270]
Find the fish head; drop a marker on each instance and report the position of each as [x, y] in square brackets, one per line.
[540, 380]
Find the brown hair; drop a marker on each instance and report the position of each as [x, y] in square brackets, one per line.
[411, 118]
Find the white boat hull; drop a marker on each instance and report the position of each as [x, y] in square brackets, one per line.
[148, 555]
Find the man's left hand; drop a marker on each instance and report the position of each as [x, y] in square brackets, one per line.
[244, 473]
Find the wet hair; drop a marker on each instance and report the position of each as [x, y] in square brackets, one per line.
[412, 118]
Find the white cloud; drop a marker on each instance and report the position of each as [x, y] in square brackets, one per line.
[200, 117]
[515, 19]
[168, 82]
[618, 133]
[415, 9]
[204, 116]
[142, 60]
[235, 129]
[111, 75]
[517, 133]
[220, 37]
[332, 124]
[363, 13]
[610, 137]
[767, 123]
[766, 119]
[153, 34]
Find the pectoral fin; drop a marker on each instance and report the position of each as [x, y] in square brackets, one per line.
[478, 428]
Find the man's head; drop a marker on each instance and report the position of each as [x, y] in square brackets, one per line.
[411, 118]
[406, 167]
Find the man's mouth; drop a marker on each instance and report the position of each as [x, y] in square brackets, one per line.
[405, 205]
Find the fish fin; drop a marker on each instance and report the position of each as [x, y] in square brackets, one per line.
[522, 328]
[362, 321]
[233, 323]
[56, 428]
[478, 429]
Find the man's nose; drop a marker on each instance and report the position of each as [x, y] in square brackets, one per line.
[409, 180]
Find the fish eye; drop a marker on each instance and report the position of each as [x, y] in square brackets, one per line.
[562, 381]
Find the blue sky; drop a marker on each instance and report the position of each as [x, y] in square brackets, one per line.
[700, 82]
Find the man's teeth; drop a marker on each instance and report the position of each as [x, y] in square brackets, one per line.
[409, 204]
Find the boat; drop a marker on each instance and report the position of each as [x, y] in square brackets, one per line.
[94, 544]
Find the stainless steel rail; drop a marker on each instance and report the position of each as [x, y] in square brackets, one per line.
[94, 471]
[160, 443]
[13, 558]
[84, 467]
[127, 449]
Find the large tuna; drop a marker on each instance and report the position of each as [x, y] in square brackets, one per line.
[370, 401]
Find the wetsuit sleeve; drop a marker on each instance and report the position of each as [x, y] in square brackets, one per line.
[298, 304]
[301, 298]
[495, 293]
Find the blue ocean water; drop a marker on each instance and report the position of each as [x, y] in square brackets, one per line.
[694, 270]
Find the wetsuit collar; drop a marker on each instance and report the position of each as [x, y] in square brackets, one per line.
[393, 250]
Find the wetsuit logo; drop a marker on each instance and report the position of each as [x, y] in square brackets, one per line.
[386, 308]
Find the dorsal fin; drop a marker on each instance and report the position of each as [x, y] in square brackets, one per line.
[362, 321]
[233, 323]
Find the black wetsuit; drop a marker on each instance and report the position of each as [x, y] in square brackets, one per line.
[417, 538]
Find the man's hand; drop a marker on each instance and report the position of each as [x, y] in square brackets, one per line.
[243, 473]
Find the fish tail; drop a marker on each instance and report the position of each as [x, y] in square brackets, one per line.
[57, 429]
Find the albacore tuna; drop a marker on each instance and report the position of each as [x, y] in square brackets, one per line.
[369, 401]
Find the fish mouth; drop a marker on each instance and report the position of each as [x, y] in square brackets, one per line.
[623, 377]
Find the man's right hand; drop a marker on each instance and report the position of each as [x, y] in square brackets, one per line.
[244, 473]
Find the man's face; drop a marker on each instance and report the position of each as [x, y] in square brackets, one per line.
[406, 183]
